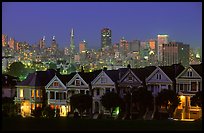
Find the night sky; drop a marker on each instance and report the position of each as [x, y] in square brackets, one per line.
[134, 20]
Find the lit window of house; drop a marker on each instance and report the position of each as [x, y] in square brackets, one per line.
[37, 93]
[21, 93]
[56, 84]
[32, 93]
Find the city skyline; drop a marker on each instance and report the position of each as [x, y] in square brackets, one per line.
[138, 20]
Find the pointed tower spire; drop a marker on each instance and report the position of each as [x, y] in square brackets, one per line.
[72, 46]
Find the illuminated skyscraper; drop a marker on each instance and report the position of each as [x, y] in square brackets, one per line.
[82, 46]
[105, 37]
[11, 43]
[124, 47]
[174, 53]
[42, 43]
[161, 39]
[72, 46]
[54, 45]
[4, 40]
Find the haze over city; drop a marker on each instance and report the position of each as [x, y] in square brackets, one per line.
[133, 20]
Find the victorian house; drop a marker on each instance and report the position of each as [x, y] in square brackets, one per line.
[163, 77]
[56, 92]
[188, 83]
[31, 91]
[105, 82]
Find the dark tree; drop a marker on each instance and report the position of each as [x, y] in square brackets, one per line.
[143, 99]
[111, 100]
[37, 112]
[196, 100]
[48, 112]
[81, 102]
[53, 66]
[9, 109]
[17, 69]
[168, 99]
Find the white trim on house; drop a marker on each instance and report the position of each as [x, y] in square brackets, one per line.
[185, 70]
[154, 72]
[126, 74]
[52, 81]
[69, 84]
[102, 73]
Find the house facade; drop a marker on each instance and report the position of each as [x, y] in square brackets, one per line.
[56, 92]
[105, 82]
[31, 92]
[188, 83]
[157, 81]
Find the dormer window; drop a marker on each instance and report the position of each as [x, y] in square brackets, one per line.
[190, 73]
[159, 76]
[130, 78]
[56, 84]
[77, 82]
[103, 79]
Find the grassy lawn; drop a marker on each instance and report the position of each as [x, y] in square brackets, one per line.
[64, 124]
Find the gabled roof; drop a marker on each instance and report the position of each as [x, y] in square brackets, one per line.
[122, 72]
[197, 68]
[113, 74]
[38, 78]
[66, 78]
[172, 71]
[89, 77]
[143, 73]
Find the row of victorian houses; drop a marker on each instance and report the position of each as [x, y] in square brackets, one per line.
[51, 88]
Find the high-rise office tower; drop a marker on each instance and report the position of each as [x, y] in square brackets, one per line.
[174, 53]
[134, 46]
[11, 43]
[4, 40]
[105, 37]
[42, 43]
[124, 46]
[161, 39]
[72, 46]
[54, 45]
[82, 46]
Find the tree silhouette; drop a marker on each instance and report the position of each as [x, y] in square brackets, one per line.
[110, 101]
[196, 100]
[81, 102]
[17, 69]
[168, 99]
[143, 99]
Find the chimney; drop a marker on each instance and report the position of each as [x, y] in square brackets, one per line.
[105, 68]
[82, 69]
[128, 66]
